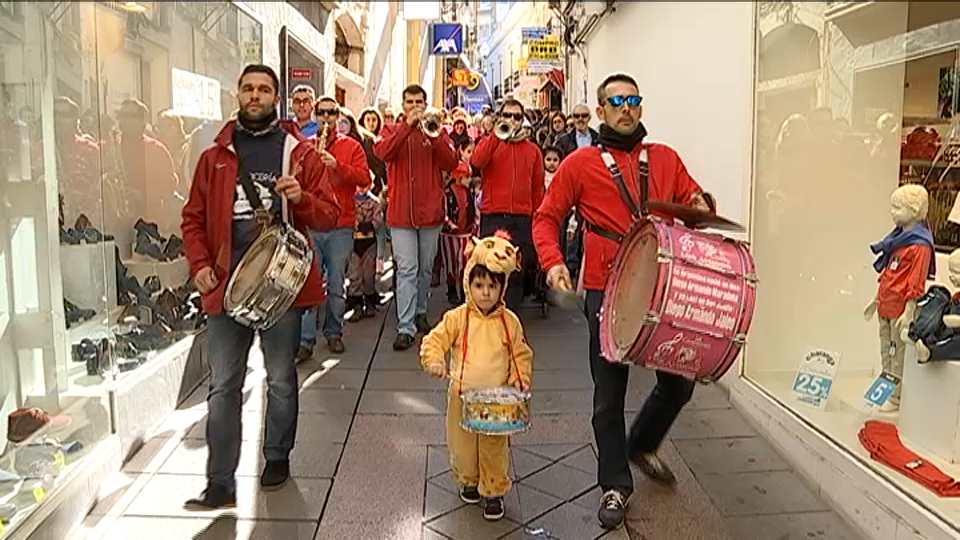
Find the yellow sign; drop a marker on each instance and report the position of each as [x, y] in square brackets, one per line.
[544, 49]
[39, 494]
[522, 64]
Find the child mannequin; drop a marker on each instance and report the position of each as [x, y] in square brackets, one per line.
[487, 349]
[905, 261]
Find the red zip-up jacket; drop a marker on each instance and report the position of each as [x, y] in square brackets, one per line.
[414, 174]
[350, 174]
[207, 226]
[512, 176]
[583, 181]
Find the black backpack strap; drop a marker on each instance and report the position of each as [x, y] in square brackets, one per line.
[636, 209]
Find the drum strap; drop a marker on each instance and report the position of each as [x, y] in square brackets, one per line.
[253, 196]
[637, 210]
[466, 337]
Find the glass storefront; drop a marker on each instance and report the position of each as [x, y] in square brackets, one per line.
[853, 101]
[107, 107]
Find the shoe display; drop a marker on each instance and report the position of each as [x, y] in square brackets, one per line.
[22, 423]
[149, 229]
[148, 247]
[152, 284]
[173, 249]
[75, 314]
[275, 475]
[88, 353]
[70, 236]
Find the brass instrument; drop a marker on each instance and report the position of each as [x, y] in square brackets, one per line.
[319, 145]
[504, 129]
[431, 123]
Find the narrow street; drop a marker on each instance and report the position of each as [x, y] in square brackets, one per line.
[370, 461]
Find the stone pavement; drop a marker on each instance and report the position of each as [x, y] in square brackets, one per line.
[370, 461]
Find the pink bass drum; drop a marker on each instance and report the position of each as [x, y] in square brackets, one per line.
[678, 300]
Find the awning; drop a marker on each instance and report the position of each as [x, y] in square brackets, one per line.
[554, 77]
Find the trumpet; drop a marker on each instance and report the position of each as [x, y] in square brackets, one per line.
[430, 123]
[505, 129]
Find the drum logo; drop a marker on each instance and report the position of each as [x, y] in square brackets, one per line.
[703, 251]
[678, 353]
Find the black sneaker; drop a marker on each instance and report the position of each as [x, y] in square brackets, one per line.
[214, 497]
[423, 325]
[403, 342]
[492, 508]
[275, 475]
[303, 353]
[613, 507]
[654, 468]
[469, 494]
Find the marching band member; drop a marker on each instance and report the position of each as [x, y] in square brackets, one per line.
[512, 179]
[584, 181]
[256, 154]
[345, 159]
[416, 158]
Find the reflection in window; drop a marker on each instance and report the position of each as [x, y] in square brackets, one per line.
[23, 247]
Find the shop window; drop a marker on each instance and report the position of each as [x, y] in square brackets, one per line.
[837, 133]
[105, 118]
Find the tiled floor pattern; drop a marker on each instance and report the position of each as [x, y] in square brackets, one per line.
[370, 462]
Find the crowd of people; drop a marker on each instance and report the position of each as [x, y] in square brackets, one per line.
[502, 197]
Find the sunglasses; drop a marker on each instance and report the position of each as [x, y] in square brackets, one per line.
[586, 115]
[618, 101]
[512, 116]
[301, 101]
[328, 112]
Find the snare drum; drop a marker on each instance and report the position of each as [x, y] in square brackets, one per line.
[678, 300]
[269, 277]
[501, 410]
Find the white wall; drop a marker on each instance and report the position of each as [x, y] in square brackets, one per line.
[694, 64]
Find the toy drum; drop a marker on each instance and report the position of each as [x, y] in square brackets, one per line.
[678, 300]
[501, 410]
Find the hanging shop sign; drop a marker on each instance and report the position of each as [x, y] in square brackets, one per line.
[464, 78]
[547, 48]
[252, 52]
[533, 33]
[446, 39]
[301, 73]
[195, 96]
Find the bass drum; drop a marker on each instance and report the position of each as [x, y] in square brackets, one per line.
[269, 277]
[678, 300]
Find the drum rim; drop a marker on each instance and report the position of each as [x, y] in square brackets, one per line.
[273, 232]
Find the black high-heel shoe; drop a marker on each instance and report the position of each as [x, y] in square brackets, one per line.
[75, 314]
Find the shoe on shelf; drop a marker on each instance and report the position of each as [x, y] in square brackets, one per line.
[654, 468]
[214, 497]
[149, 229]
[148, 247]
[70, 236]
[403, 342]
[613, 509]
[492, 508]
[174, 248]
[75, 314]
[82, 223]
[152, 284]
[470, 494]
[335, 345]
[423, 324]
[275, 474]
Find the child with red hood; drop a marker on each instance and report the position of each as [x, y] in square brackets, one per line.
[461, 221]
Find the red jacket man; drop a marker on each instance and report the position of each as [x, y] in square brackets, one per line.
[207, 217]
[349, 171]
[511, 188]
[584, 181]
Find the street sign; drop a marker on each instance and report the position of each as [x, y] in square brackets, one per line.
[301, 73]
[534, 33]
[446, 38]
[544, 49]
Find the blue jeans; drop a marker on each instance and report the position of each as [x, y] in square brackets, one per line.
[413, 253]
[332, 249]
[228, 346]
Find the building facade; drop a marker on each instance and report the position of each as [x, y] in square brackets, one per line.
[107, 106]
[803, 118]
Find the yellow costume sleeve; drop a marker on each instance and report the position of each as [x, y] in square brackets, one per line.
[439, 341]
[522, 353]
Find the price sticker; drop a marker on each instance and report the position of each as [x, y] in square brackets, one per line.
[815, 376]
[39, 494]
[881, 389]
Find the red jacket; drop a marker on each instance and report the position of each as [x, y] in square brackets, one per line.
[351, 173]
[414, 179]
[207, 226]
[512, 176]
[585, 182]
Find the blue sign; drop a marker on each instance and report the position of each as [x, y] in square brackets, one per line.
[881, 389]
[812, 389]
[447, 39]
[534, 33]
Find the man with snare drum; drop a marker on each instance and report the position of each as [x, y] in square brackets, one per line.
[269, 159]
[584, 181]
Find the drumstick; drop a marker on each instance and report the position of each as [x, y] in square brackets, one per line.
[564, 299]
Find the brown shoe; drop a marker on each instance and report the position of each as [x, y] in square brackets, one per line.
[303, 354]
[335, 345]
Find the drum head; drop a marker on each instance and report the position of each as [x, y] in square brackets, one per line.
[253, 266]
[634, 289]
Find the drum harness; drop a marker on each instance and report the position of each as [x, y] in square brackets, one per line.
[636, 210]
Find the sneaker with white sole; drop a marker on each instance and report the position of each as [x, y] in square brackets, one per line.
[613, 509]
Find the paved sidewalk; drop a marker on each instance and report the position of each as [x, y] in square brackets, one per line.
[370, 462]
